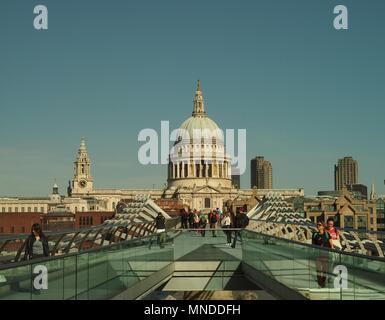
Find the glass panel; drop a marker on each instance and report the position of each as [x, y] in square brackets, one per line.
[16, 283]
[69, 266]
[82, 276]
[97, 274]
[54, 280]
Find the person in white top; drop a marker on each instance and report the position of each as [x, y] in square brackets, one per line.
[226, 224]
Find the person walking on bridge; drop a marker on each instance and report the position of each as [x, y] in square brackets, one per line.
[160, 224]
[213, 219]
[226, 224]
[202, 224]
[184, 218]
[241, 221]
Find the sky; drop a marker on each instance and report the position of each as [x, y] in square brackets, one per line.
[306, 93]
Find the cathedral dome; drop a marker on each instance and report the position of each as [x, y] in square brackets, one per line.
[203, 126]
[198, 157]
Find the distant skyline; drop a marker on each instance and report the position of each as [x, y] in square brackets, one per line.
[307, 94]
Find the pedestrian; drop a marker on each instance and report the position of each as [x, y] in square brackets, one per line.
[191, 220]
[322, 238]
[202, 224]
[195, 220]
[226, 225]
[213, 219]
[184, 218]
[160, 225]
[36, 245]
[241, 221]
[334, 233]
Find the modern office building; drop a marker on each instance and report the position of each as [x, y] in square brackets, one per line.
[261, 173]
[236, 180]
[345, 173]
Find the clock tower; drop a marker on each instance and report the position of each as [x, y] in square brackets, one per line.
[83, 182]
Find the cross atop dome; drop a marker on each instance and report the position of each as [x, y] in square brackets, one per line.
[199, 106]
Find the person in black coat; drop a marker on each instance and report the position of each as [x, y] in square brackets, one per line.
[160, 225]
[36, 245]
[241, 221]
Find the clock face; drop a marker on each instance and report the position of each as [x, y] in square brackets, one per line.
[82, 183]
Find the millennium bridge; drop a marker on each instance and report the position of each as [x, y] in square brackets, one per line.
[122, 259]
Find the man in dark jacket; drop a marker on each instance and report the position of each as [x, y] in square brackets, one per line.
[160, 225]
[184, 218]
[241, 222]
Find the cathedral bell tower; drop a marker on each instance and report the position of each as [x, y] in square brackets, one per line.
[83, 182]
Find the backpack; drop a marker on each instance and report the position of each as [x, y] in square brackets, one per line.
[213, 218]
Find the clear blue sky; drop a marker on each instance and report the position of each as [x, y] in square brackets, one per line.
[306, 93]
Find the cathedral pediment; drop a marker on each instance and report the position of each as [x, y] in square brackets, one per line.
[207, 189]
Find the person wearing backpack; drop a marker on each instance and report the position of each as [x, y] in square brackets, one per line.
[202, 224]
[160, 225]
[241, 221]
[213, 219]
